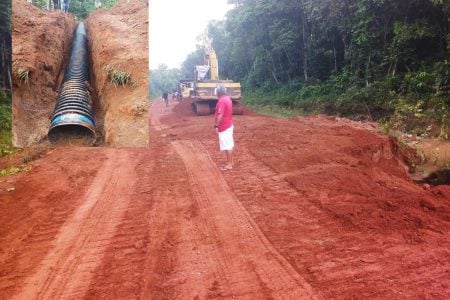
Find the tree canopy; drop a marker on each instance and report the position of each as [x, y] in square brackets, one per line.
[163, 80]
[80, 8]
[278, 41]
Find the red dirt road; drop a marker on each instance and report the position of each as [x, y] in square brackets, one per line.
[315, 208]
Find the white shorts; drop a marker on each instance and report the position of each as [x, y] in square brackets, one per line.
[226, 141]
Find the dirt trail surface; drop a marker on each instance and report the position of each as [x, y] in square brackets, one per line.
[315, 208]
[41, 45]
[118, 41]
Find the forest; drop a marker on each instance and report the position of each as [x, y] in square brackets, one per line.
[366, 59]
[5, 77]
[164, 79]
[80, 8]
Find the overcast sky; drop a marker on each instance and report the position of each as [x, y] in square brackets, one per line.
[175, 26]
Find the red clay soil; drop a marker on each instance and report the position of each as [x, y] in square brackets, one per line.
[315, 207]
[118, 40]
[41, 45]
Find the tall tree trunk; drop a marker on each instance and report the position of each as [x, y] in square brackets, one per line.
[394, 69]
[369, 59]
[335, 59]
[2, 62]
[287, 55]
[273, 70]
[9, 83]
[305, 47]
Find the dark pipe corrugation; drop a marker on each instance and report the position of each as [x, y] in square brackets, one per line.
[73, 113]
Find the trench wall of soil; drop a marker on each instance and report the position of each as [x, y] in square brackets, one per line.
[41, 46]
[118, 42]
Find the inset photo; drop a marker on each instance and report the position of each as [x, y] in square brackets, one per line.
[79, 73]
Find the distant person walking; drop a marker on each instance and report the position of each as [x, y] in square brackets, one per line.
[223, 124]
[98, 4]
[56, 4]
[165, 97]
[66, 5]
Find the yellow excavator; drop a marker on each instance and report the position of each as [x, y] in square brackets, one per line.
[185, 88]
[206, 79]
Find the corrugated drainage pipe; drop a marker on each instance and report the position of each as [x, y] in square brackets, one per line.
[73, 118]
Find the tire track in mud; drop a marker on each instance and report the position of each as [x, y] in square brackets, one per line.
[79, 247]
[334, 255]
[251, 266]
[33, 214]
[296, 226]
[155, 120]
[182, 261]
[123, 263]
[38, 236]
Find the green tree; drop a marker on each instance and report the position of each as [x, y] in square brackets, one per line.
[80, 8]
[342, 56]
[162, 80]
[193, 59]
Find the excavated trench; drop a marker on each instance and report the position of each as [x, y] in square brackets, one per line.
[63, 92]
[74, 119]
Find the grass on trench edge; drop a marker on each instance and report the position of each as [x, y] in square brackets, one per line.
[14, 170]
[119, 77]
[28, 157]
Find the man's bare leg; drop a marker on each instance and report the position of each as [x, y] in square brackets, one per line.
[229, 164]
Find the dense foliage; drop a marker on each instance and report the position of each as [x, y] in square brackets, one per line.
[375, 58]
[5, 77]
[80, 8]
[163, 80]
[193, 59]
[5, 44]
[5, 123]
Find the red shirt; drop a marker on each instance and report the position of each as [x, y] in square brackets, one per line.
[224, 107]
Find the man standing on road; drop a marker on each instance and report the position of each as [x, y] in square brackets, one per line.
[223, 123]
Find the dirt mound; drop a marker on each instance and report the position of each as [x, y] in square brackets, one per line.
[41, 46]
[118, 42]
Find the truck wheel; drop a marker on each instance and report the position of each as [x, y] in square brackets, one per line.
[238, 109]
[203, 109]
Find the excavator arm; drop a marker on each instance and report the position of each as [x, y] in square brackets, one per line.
[204, 99]
[210, 58]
